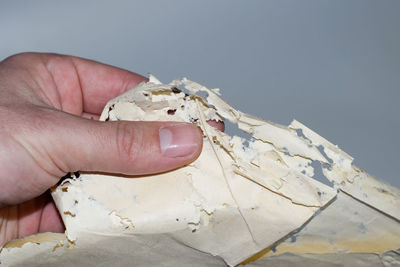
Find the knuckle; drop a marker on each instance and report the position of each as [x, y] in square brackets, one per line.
[20, 57]
[128, 141]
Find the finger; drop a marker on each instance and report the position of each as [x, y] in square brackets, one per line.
[90, 116]
[51, 220]
[100, 83]
[36, 215]
[30, 217]
[75, 84]
[220, 125]
[132, 148]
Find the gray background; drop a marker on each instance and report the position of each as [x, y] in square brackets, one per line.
[333, 65]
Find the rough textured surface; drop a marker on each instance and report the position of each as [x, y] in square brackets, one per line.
[238, 198]
[388, 259]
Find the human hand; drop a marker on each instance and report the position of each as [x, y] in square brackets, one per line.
[45, 103]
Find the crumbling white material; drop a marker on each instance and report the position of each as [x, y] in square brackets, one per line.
[238, 198]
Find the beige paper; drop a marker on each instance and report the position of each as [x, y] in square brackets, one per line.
[238, 198]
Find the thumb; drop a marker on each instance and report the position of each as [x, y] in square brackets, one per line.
[52, 143]
[132, 148]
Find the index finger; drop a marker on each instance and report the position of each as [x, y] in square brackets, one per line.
[100, 82]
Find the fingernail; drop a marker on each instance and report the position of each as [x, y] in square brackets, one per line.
[179, 140]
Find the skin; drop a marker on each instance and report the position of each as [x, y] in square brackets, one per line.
[49, 106]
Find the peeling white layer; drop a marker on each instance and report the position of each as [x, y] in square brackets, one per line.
[351, 179]
[233, 201]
